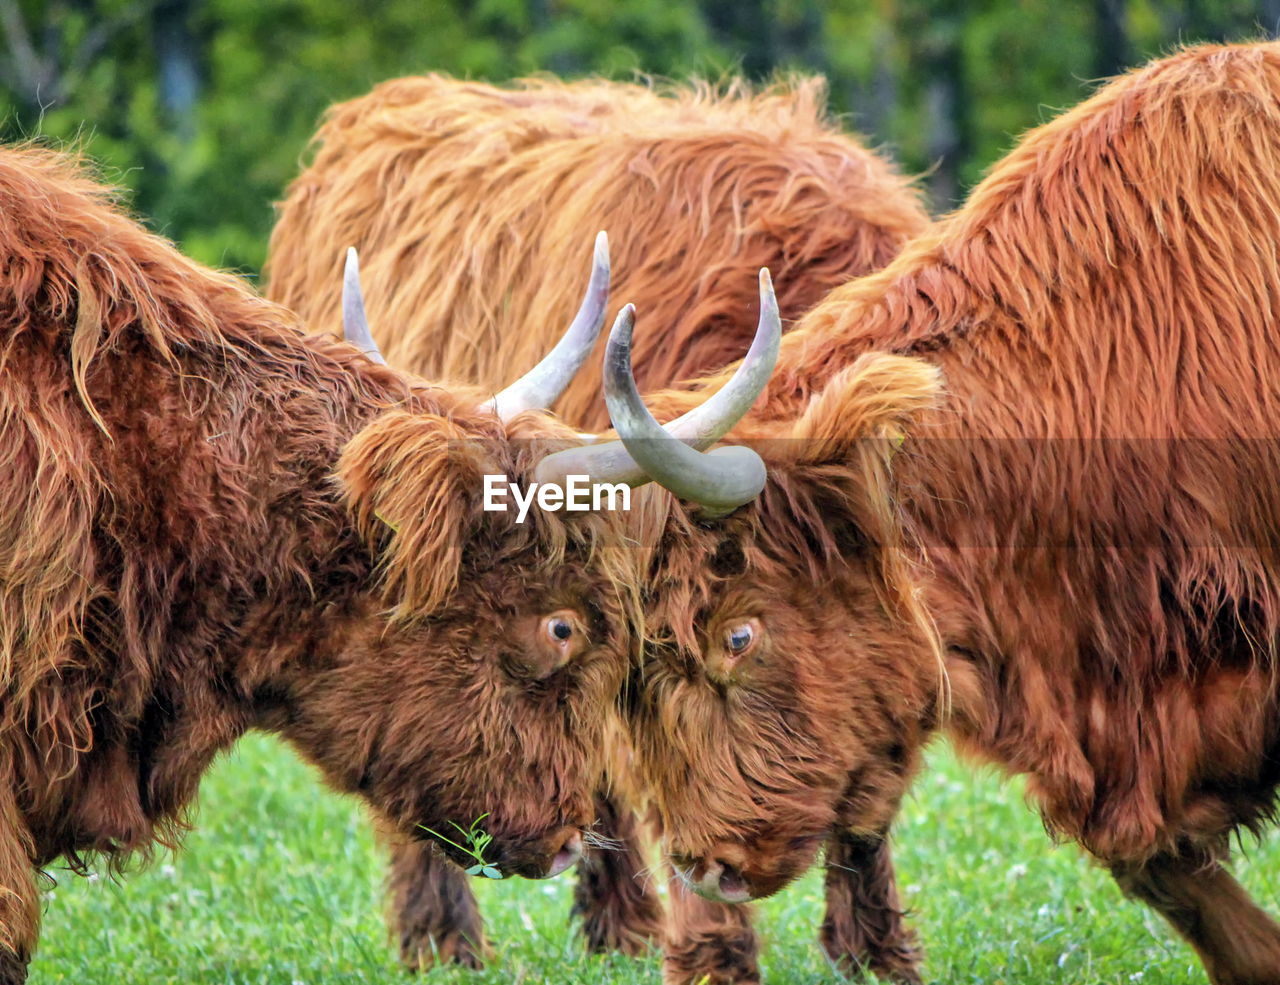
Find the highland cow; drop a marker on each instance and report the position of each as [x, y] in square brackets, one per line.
[455, 193]
[460, 196]
[211, 522]
[813, 557]
[1092, 517]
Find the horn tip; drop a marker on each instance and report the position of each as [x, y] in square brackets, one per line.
[768, 299]
[620, 334]
[600, 256]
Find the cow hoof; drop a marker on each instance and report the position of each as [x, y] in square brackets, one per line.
[684, 975]
[898, 963]
[710, 963]
[898, 972]
[634, 939]
[451, 949]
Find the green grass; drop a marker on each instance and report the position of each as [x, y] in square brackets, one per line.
[280, 884]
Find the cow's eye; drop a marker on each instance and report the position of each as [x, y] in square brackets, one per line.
[739, 639]
[724, 661]
[559, 629]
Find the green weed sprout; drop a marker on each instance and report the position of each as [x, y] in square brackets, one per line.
[477, 840]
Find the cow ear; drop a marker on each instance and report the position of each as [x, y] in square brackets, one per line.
[413, 485]
[841, 448]
[843, 444]
[870, 404]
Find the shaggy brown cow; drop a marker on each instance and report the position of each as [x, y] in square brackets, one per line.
[450, 190]
[210, 522]
[762, 742]
[1097, 505]
[455, 192]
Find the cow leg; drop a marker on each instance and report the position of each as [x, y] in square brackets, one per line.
[619, 910]
[1238, 943]
[707, 942]
[434, 913]
[19, 897]
[13, 968]
[864, 926]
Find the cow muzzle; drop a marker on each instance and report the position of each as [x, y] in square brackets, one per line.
[713, 878]
[731, 872]
[547, 857]
[566, 856]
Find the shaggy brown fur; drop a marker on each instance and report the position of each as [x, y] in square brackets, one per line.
[774, 765]
[1098, 506]
[864, 923]
[435, 918]
[614, 898]
[456, 192]
[714, 943]
[708, 943]
[473, 209]
[205, 521]
[772, 758]
[433, 909]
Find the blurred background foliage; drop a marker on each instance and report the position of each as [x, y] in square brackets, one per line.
[203, 109]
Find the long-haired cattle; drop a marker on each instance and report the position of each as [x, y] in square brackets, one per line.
[461, 197]
[1095, 509]
[455, 194]
[210, 522]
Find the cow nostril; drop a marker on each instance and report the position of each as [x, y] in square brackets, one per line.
[569, 853]
[732, 885]
[721, 881]
[709, 872]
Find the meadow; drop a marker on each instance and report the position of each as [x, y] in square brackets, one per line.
[280, 884]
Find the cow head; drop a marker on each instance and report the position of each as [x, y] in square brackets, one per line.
[789, 676]
[473, 672]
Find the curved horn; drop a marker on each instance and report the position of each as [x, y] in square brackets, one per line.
[715, 417]
[355, 326]
[721, 480]
[541, 386]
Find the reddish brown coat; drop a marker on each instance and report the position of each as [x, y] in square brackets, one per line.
[205, 520]
[1096, 505]
[473, 208]
[455, 193]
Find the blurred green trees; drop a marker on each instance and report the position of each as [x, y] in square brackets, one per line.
[203, 109]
